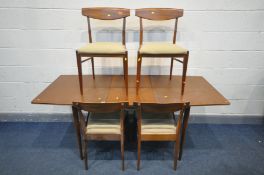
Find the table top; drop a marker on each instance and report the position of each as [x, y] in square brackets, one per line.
[111, 88]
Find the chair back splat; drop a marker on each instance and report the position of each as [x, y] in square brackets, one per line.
[106, 13]
[100, 107]
[159, 14]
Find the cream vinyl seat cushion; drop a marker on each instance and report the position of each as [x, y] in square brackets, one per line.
[161, 48]
[104, 124]
[157, 124]
[103, 48]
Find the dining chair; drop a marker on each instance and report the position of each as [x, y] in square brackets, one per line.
[161, 49]
[103, 49]
[157, 122]
[105, 122]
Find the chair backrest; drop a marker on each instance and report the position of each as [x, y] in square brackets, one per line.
[160, 108]
[99, 108]
[159, 14]
[106, 13]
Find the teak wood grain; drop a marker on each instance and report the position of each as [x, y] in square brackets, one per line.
[159, 13]
[109, 88]
[105, 13]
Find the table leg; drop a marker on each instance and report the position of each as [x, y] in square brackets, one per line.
[77, 128]
[185, 124]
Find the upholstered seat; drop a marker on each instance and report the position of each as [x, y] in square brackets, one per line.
[104, 124]
[158, 124]
[161, 48]
[103, 48]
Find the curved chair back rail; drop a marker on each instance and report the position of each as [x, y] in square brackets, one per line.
[159, 13]
[162, 108]
[100, 107]
[105, 13]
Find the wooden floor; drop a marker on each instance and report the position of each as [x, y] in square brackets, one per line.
[110, 88]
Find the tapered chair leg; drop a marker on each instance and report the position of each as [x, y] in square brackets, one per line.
[124, 68]
[185, 64]
[177, 146]
[171, 68]
[176, 154]
[138, 161]
[77, 128]
[85, 154]
[79, 65]
[185, 124]
[122, 153]
[139, 61]
[92, 60]
[126, 72]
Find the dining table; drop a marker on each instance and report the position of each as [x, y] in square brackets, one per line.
[111, 88]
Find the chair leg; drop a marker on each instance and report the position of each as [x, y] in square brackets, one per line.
[126, 72]
[172, 59]
[176, 154]
[185, 64]
[185, 124]
[79, 65]
[124, 67]
[85, 155]
[122, 152]
[77, 129]
[92, 60]
[139, 61]
[177, 145]
[138, 161]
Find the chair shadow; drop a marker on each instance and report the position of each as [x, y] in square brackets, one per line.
[156, 33]
[112, 34]
[109, 34]
[56, 135]
[201, 137]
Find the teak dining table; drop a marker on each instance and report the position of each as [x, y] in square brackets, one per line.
[111, 88]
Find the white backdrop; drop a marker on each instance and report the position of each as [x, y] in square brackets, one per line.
[225, 37]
